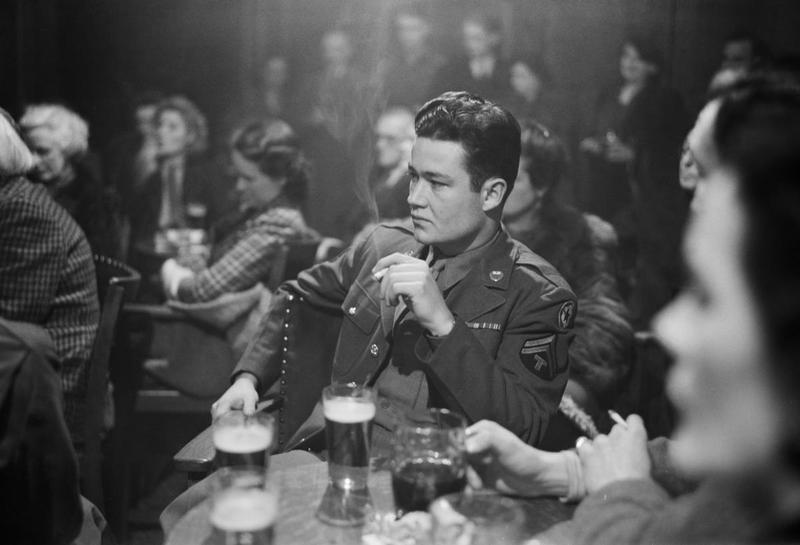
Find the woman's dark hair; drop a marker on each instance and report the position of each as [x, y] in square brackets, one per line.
[757, 133]
[272, 145]
[543, 154]
[195, 121]
[647, 50]
[535, 64]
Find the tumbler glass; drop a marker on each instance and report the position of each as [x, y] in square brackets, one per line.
[241, 440]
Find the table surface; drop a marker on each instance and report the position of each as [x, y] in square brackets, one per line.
[301, 489]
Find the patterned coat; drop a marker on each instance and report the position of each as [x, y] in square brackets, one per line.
[245, 254]
[47, 278]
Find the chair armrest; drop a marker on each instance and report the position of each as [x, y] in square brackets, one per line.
[196, 456]
[159, 312]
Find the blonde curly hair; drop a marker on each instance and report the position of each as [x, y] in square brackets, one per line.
[69, 131]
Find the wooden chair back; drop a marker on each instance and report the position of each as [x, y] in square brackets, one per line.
[116, 283]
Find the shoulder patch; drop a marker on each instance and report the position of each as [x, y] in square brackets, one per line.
[566, 315]
[538, 357]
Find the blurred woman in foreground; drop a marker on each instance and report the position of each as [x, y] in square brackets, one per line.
[735, 334]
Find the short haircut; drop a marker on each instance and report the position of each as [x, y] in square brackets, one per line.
[759, 47]
[195, 120]
[272, 145]
[488, 133]
[68, 130]
[15, 157]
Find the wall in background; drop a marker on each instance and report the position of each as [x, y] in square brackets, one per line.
[97, 55]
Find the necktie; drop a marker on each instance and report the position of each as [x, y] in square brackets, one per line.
[172, 203]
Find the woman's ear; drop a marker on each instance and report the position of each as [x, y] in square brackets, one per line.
[492, 192]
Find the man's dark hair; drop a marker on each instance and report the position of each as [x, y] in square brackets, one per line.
[488, 133]
[760, 49]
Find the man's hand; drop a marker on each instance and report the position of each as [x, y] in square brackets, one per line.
[621, 455]
[507, 464]
[242, 395]
[410, 278]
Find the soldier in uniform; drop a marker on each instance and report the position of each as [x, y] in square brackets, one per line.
[445, 311]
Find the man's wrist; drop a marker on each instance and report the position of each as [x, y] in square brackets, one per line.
[249, 377]
[443, 327]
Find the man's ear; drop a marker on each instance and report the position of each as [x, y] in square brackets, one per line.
[492, 192]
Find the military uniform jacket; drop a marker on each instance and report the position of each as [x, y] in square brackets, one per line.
[505, 359]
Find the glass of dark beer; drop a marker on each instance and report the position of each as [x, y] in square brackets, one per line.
[244, 506]
[349, 412]
[241, 440]
[429, 458]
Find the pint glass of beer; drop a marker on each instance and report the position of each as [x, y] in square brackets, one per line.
[241, 440]
[429, 458]
[244, 506]
[349, 411]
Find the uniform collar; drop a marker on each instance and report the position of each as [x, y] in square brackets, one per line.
[490, 260]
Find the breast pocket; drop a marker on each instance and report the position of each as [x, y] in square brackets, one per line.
[361, 317]
[360, 310]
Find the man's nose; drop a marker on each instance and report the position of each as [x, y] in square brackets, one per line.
[416, 195]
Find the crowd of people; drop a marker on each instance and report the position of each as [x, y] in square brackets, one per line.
[469, 279]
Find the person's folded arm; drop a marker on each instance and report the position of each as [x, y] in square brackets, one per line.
[247, 263]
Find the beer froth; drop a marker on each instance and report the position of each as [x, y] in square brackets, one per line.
[249, 510]
[348, 411]
[245, 439]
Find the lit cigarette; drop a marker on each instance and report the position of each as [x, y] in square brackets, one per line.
[617, 418]
[380, 274]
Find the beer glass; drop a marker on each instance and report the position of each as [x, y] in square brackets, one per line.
[349, 411]
[429, 458]
[244, 506]
[241, 440]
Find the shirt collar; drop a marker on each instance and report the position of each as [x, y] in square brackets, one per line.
[455, 268]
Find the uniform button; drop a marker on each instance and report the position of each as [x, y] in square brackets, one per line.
[351, 311]
[374, 350]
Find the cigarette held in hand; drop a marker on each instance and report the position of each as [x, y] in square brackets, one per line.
[380, 274]
[617, 418]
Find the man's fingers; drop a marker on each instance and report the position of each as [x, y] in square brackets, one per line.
[473, 479]
[249, 405]
[392, 259]
[635, 422]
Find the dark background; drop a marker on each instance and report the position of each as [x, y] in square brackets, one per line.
[96, 55]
